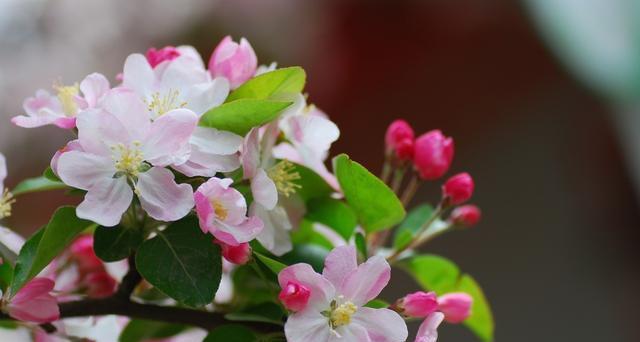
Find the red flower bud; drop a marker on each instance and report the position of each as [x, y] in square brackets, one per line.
[238, 255]
[433, 153]
[420, 304]
[157, 56]
[458, 188]
[295, 296]
[466, 215]
[100, 284]
[397, 132]
[83, 254]
[404, 149]
[456, 307]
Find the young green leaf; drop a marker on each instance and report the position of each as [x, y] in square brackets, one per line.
[410, 226]
[61, 230]
[36, 184]
[116, 243]
[182, 262]
[231, 333]
[333, 213]
[376, 206]
[276, 84]
[50, 175]
[312, 185]
[240, 116]
[361, 245]
[274, 265]
[305, 234]
[435, 273]
[313, 255]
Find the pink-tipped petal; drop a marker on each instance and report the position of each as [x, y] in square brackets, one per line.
[138, 74]
[161, 197]
[275, 236]
[130, 110]
[94, 87]
[366, 282]
[106, 201]
[251, 153]
[456, 306]
[99, 131]
[264, 190]
[428, 331]
[340, 263]
[167, 142]
[33, 303]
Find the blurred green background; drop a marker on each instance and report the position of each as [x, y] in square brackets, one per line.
[542, 97]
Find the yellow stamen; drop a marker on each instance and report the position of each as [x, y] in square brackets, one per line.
[341, 315]
[66, 96]
[5, 203]
[160, 104]
[128, 159]
[219, 209]
[283, 174]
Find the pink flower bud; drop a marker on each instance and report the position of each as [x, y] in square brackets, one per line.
[397, 132]
[420, 304]
[83, 254]
[404, 149]
[458, 189]
[466, 215]
[33, 303]
[100, 284]
[167, 53]
[456, 307]
[295, 296]
[235, 62]
[238, 255]
[433, 154]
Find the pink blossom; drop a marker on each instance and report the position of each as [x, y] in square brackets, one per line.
[123, 151]
[82, 253]
[433, 154]
[61, 110]
[466, 215]
[294, 296]
[73, 145]
[239, 255]
[458, 189]
[397, 132]
[456, 307]
[33, 303]
[419, 304]
[157, 56]
[335, 309]
[99, 284]
[428, 331]
[235, 62]
[222, 211]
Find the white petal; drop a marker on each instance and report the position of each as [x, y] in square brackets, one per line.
[211, 140]
[138, 75]
[82, 170]
[382, 325]
[264, 190]
[94, 87]
[129, 108]
[340, 263]
[275, 235]
[99, 130]
[3, 171]
[106, 201]
[307, 326]
[204, 96]
[350, 332]
[366, 282]
[167, 142]
[161, 197]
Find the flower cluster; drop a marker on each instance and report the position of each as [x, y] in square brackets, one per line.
[206, 185]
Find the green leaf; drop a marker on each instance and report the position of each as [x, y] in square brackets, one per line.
[250, 288]
[48, 174]
[182, 262]
[334, 214]
[240, 116]
[274, 84]
[264, 312]
[376, 206]
[61, 230]
[36, 184]
[313, 255]
[116, 243]
[231, 333]
[6, 276]
[377, 304]
[274, 265]
[305, 234]
[435, 273]
[141, 330]
[411, 224]
[361, 245]
[312, 184]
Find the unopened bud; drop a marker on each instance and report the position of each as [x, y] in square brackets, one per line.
[397, 133]
[239, 255]
[433, 153]
[458, 189]
[466, 215]
[157, 56]
[456, 307]
[295, 296]
[235, 62]
[419, 304]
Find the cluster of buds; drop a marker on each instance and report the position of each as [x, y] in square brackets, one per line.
[455, 306]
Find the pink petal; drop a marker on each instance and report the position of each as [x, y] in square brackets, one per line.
[167, 142]
[130, 110]
[33, 303]
[428, 331]
[94, 87]
[339, 264]
[322, 292]
[264, 190]
[106, 201]
[161, 197]
[204, 96]
[3, 170]
[306, 326]
[382, 325]
[73, 145]
[98, 131]
[65, 123]
[237, 234]
[251, 153]
[138, 75]
[42, 118]
[366, 282]
[82, 170]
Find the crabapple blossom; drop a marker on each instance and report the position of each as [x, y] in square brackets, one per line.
[222, 211]
[428, 330]
[456, 307]
[61, 110]
[458, 189]
[157, 56]
[419, 304]
[466, 215]
[124, 152]
[235, 62]
[33, 303]
[433, 153]
[335, 310]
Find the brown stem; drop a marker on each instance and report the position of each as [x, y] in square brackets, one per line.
[410, 190]
[398, 176]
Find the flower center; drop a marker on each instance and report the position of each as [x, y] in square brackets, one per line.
[5, 203]
[66, 96]
[128, 159]
[283, 174]
[341, 314]
[162, 103]
[219, 209]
